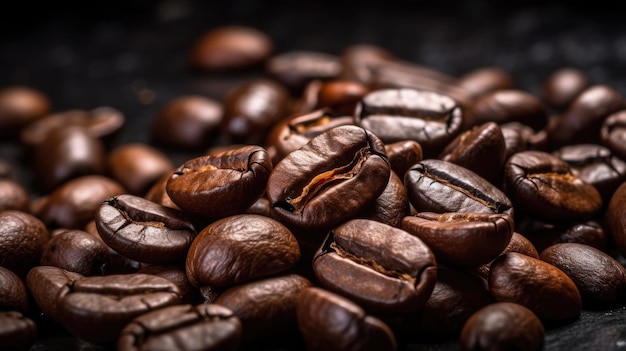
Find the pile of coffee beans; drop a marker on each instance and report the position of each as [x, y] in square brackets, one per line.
[330, 202]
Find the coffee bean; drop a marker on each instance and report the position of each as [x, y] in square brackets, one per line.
[616, 218]
[13, 295]
[19, 106]
[138, 166]
[13, 196]
[563, 85]
[175, 272]
[294, 69]
[402, 155]
[22, 240]
[76, 251]
[47, 285]
[543, 234]
[391, 206]
[483, 80]
[341, 96]
[518, 243]
[17, 332]
[613, 133]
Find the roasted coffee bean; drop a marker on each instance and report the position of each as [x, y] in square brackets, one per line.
[175, 273]
[294, 69]
[158, 192]
[47, 285]
[22, 240]
[581, 122]
[543, 234]
[138, 166]
[117, 264]
[103, 123]
[65, 154]
[13, 295]
[544, 187]
[383, 269]
[19, 106]
[330, 322]
[462, 239]
[187, 122]
[429, 118]
[613, 133]
[74, 204]
[600, 278]
[440, 186]
[481, 149]
[183, 327]
[518, 243]
[17, 332]
[13, 196]
[402, 155]
[240, 248]
[505, 106]
[456, 296]
[229, 48]
[143, 230]
[251, 109]
[330, 179]
[293, 132]
[266, 307]
[359, 61]
[535, 284]
[391, 206]
[595, 165]
[502, 326]
[76, 251]
[483, 80]
[563, 85]
[616, 218]
[7, 171]
[341, 96]
[96, 309]
[221, 184]
[520, 137]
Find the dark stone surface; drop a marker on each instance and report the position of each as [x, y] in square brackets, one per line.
[131, 55]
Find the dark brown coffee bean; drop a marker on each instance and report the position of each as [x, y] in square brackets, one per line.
[229, 48]
[103, 123]
[158, 192]
[188, 122]
[183, 327]
[252, 109]
[402, 155]
[293, 132]
[518, 243]
[616, 218]
[462, 239]
[266, 307]
[582, 121]
[13, 196]
[240, 248]
[481, 149]
[295, 69]
[563, 85]
[613, 133]
[600, 278]
[595, 165]
[19, 106]
[96, 309]
[502, 326]
[483, 80]
[439, 186]
[544, 187]
[519, 137]
[221, 184]
[330, 179]
[74, 204]
[47, 285]
[535, 284]
[383, 269]
[330, 322]
[138, 166]
[76, 251]
[391, 206]
[543, 234]
[143, 230]
[429, 118]
[67, 153]
[118, 264]
[359, 61]
[13, 295]
[22, 240]
[341, 96]
[176, 274]
[17, 332]
[504, 106]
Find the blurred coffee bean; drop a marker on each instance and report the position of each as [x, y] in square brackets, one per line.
[341, 96]
[19, 106]
[22, 240]
[13, 196]
[359, 61]
[402, 155]
[76, 251]
[138, 166]
[330, 179]
[183, 327]
[535, 284]
[503, 326]
[330, 322]
[17, 331]
[240, 248]
[600, 278]
[295, 69]
[229, 48]
[507, 105]
[13, 294]
[616, 219]
[188, 122]
[483, 80]
[613, 133]
[563, 85]
[158, 192]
